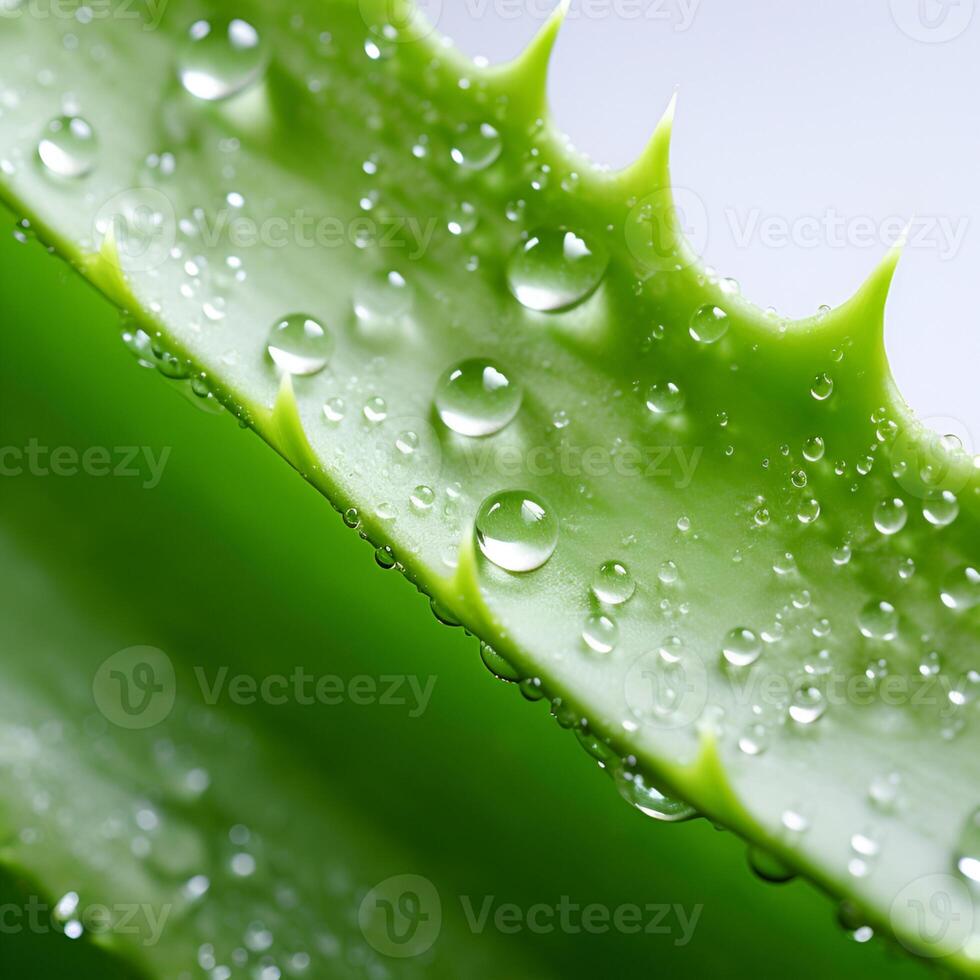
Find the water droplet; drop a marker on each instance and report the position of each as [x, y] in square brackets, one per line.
[613, 583]
[334, 409]
[497, 665]
[891, 515]
[768, 867]
[878, 620]
[755, 739]
[382, 298]
[968, 849]
[709, 324]
[375, 409]
[813, 449]
[422, 498]
[352, 518]
[668, 573]
[649, 800]
[961, 590]
[555, 270]
[463, 219]
[808, 704]
[883, 791]
[68, 146]
[808, 511]
[477, 398]
[741, 648]
[219, 59]
[516, 530]
[941, 508]
[601, 633]
[476, 147]
[300, 345]
[665, 398]
[822, 387]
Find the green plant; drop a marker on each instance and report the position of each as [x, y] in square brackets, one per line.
[795, 516]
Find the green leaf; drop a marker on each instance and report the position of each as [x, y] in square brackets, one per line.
[768, 491]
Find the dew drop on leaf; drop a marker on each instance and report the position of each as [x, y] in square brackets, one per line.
[516, 530]
[300, 345]
[68, 146]
[555, 270]
[613, 583]
[219, 59]
[665, 398]
[476, 147]
[741, 648]
[878, 620]
[890, 515]
[600, 633]
[477, 397]
[709, 324]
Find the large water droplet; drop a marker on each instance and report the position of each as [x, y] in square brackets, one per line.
[600, 633]
[300, 345]
[822, 387]
[613, 583]
[941, 508]
[556, 270]
[68, 146]
[665, 398]
[476, 147]
[382, 298]
[477, 397]
[219, 58]
[878, 620]
[891, 515]
[961, 589]
[709, 324]
[741, 648]
[498, 665]
[516, 530]
[808, 704]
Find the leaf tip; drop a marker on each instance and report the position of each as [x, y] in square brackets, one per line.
[528, 73]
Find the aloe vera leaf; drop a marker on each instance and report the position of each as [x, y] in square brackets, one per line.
[589, 362]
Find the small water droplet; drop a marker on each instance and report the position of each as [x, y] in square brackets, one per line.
[422, 498]
[808, 511]
[375, 409]
[556, 270]
[649, 800]
[516, 530]
[334, 409]
[477, 398]
[219, 59]
[497, 665]
[709, 324]
[968, 849]
[813, 449]
[68, 146]
[768, 867]
[741, 648]
[300, 345]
